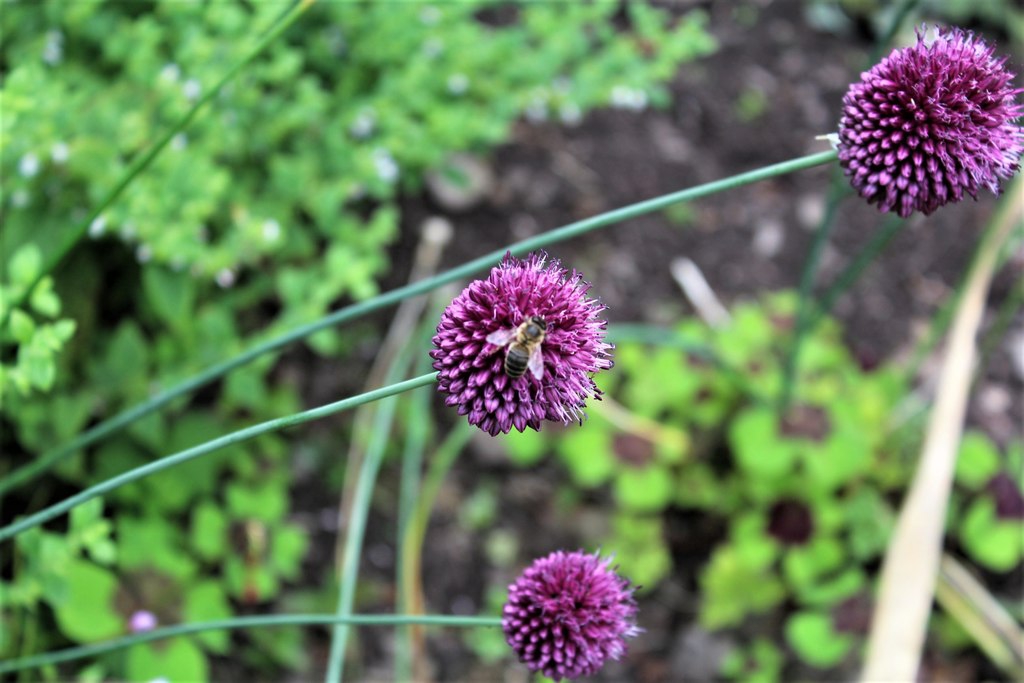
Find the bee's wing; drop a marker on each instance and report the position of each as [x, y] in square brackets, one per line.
[501, 337]
[536, 362]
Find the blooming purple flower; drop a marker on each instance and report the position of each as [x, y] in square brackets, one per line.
[478, 330]
[141, 621]
[931, 123]
[568, 613]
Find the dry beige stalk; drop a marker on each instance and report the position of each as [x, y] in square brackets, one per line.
[911, 565]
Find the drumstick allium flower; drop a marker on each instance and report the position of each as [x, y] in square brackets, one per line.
[931, 123]
[471, 369]
[568, 613]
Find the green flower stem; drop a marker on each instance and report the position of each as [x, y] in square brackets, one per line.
[166, 462]
[81, 652]
[119, 421]
[412, 541]
[356, 529]
[801, 326]
[879, 240]
[141, 163]
[417, 430]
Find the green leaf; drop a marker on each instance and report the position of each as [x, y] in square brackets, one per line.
[727, 584]
[44, 300]
[36, 362]
[831, 591]
[288, 545]
[805, 564]
[995, 544]
[760, 663]
[811, 635]
[22, 326]
[206, 601]
[174, 660]
[638, 544]
[87, 615]
[172, 295]
[152, 542]
[63, 330]
[756, 445]
[266, 502]
[587, 454]
[645, 489]
[25, 265]
[209, 531]
[977, 462]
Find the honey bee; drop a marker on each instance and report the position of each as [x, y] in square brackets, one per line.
[523, 347]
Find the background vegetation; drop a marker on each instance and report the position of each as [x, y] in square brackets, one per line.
[301, 187]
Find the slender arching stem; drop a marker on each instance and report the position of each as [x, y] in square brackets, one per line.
[95, 649]
[168, 461]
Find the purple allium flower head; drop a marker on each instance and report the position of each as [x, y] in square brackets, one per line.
[471, 369]
[568, 613]
[141, 621]
[931, 123]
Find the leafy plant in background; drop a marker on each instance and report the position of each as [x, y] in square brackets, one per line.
[805, 497]
[279, 199]
[987, 514]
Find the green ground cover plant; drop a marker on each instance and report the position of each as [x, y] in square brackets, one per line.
[189, 188]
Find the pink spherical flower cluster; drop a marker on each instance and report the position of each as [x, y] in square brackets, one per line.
[930, 124]
[568, 613]
[521, 346]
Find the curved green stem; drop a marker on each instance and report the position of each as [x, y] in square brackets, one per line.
[802, 326]
[441, 462]
[119, 421]
[141, 163]
[356, 531]
[166, 462]
[81, 652]
[417, 430]
[879, 240]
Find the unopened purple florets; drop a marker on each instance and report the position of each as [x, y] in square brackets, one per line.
[930, 124]
[471, 370]
[568, 613]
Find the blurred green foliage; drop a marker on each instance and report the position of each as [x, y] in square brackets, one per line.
[805, 498]
[278, 201]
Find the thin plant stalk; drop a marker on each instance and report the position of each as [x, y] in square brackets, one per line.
[169, 461]
[417, 429]
[50, 458]
[412, 542]
[356, 531]
[142, 162]
[803, 311]
[262, 621]
[912, 559]
[879, 240]
[965, 599]
[805, 320]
